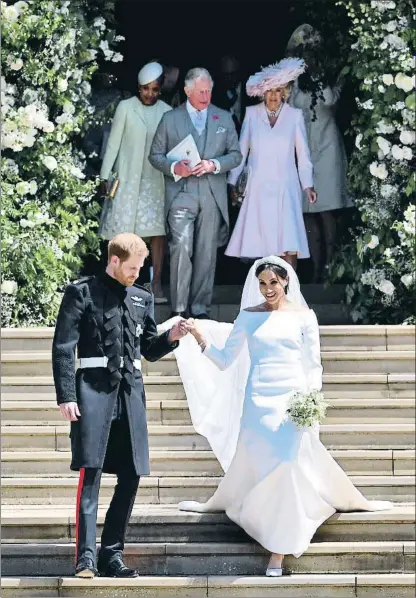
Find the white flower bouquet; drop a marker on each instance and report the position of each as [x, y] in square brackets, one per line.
[307, 408]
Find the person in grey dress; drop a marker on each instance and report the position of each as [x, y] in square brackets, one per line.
[138, 204]
[326, 146]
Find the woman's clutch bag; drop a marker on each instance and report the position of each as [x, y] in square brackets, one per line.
[112, 187]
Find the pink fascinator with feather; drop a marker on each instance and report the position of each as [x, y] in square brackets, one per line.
[275, 75]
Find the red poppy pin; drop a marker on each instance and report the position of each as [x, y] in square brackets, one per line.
[215, 117]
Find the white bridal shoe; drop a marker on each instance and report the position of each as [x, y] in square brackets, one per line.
[271, 572]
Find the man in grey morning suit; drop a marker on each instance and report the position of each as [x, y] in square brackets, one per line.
[196, 199]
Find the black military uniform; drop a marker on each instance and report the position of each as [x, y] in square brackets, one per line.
[112, 326]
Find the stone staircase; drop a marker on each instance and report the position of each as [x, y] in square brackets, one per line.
[370, 430]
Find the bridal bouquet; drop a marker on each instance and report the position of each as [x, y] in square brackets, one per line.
[307, 408]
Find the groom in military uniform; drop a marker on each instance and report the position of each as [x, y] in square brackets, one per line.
[110, 320]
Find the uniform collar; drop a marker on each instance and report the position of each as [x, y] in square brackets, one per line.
[114, 285]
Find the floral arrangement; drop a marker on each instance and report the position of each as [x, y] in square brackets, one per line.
[378, 260]
[306, 409]
[49, 216]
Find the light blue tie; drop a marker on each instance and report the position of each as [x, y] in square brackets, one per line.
[199, 122]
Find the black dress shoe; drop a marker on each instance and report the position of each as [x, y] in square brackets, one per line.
[116, 568]
[85, 568]
[181, 314]
[202, 316]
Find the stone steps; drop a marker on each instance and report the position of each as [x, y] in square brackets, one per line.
[369, 382]
[335, 338]
[31, 363]
[165, 523]
[210, 558]
[204, 463]
[335, 436]
[392, 385]
[170, 490]
[176, 412]
[295, 586]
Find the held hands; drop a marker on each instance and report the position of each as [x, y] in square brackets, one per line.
[311, 195]
[70, 411]
[191, 326]
[204, 167]
[177, 331]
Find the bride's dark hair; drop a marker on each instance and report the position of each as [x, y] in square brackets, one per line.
[276, 269]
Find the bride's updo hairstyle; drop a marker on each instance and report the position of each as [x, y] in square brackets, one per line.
[276, 269]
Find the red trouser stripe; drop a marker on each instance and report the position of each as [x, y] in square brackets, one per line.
[79, 492]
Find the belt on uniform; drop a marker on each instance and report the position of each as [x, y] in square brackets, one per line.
[102, 362]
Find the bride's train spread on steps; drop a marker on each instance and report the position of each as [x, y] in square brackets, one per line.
[280, 481]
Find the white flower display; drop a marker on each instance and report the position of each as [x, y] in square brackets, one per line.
[22, 188]
[407, 153]
[397, 152]
[388, 79]
[358, 140]
[394, 41]
[10, 13]
[404, 82]
[50, 162]
[62, 84]
[408, 137]
[68, 108]
[16, 64]
[391, 26]
[33, 187]
[9, 287]
[379, 170]
[408, 279]
[386, 287]
[388, 190]
[77, 172]
[374, 242]
[384, 145]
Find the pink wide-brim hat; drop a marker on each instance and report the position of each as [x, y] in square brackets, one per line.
[275, 75]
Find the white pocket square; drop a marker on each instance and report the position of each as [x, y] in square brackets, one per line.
[220, 130]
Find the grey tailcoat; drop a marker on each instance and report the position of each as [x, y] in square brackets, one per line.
[221, 144]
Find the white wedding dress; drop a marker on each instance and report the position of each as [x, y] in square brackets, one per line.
[282, 482]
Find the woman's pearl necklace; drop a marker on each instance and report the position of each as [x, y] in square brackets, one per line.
[274, 113]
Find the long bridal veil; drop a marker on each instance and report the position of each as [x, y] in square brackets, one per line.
[215, 398]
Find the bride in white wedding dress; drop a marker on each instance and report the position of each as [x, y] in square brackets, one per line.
[281, 483]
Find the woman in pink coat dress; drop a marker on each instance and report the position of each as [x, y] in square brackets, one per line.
[276, 155]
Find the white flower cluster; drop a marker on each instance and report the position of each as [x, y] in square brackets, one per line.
[109, 54]
[21, 126]
[12, 12]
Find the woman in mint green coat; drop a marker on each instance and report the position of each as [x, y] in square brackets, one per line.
[138, 204]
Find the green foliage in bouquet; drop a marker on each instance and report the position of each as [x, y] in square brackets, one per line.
[378, 259]
[306, 409]
[49, 217]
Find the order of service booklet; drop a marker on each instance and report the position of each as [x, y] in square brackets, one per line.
[185, 150]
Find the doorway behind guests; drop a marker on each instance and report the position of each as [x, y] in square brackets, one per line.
[189, 33]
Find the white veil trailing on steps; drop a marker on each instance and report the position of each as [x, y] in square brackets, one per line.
[215, 398]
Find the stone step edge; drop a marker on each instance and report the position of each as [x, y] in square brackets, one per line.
[187, 429]
[337, 355]
[358, 329]
[51, 515]
[351, 378]
[387, 454]
[214, 582]
[187, 548]
[10, 404]
[184, 481]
